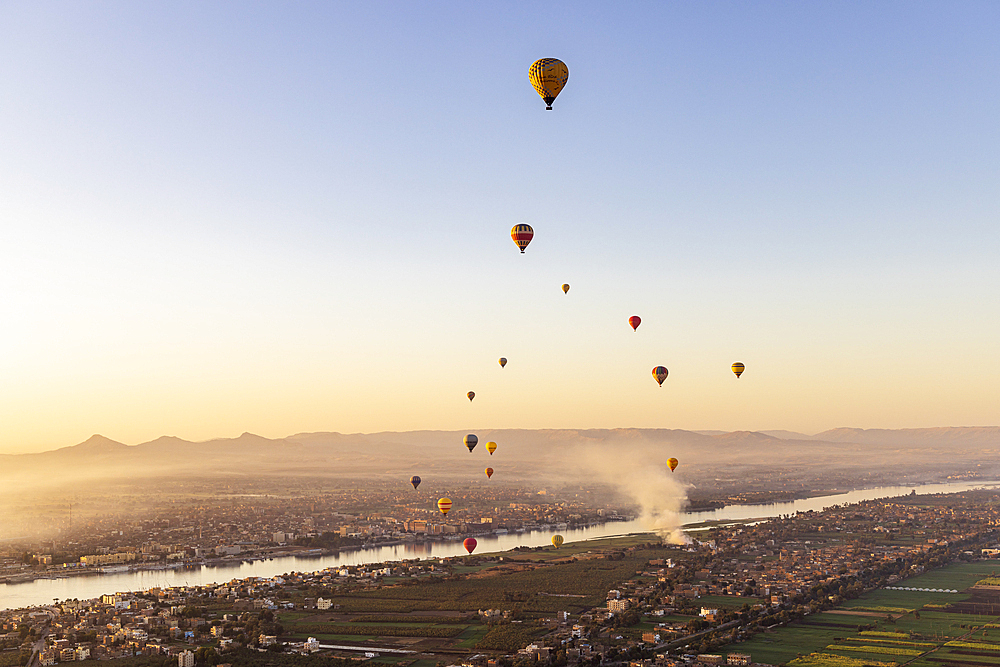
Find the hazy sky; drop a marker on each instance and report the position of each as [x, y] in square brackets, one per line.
[281, 217]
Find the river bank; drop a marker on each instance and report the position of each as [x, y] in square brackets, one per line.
[43, 591]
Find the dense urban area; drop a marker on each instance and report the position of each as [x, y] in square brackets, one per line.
[634, 600]
[199, 531]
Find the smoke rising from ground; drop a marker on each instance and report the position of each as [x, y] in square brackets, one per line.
[647, 482]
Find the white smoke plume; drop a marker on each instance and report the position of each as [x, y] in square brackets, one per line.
[647, 481]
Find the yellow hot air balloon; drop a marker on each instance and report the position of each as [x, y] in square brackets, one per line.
[565, 288]
[503, 361]
[672, 462]
[738, 368]
[557, 541]
[548, 76]
[444, 505]
[491, 447]
[489, 473]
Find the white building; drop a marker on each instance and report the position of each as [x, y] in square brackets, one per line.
[185, 659]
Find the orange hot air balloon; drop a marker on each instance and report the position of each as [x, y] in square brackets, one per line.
[522, 235]
[444, 505]
[660, 373]
[491, 447]
[489, 473]
[635, 321]
[672, 462]
[738, 368]
[471, 395]
[470, 544]
[503, 361]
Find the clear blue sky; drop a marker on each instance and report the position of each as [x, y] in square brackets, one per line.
[281, 217]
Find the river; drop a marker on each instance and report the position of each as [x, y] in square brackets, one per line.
[44, 591]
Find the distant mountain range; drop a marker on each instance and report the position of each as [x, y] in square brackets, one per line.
[523, 454]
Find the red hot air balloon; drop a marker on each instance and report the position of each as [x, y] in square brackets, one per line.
[635, 321]
[470, 544]
[522, 235]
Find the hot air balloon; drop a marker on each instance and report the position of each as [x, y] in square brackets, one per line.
[503, 361]
[489, 473]
[672, 462]
[470, 544]
[557, 541]
[565, 288]
[471, 441]
[444, 505]
[738, 368]
[660, 373]
[415, 481]
[471, 395]
[522, 235]
[491, 447]
[548, 76]
[635, 321]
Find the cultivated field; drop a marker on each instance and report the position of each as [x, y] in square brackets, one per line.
[915, 628]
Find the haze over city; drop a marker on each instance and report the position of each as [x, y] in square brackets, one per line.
[550, 334]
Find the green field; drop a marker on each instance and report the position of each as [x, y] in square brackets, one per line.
[726, 601]
[550, 581]
[570, 549]
[906, 639]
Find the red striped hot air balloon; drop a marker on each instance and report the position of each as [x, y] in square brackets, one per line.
[444, 505]
[634, 321]
[522, 235]
[470, 544]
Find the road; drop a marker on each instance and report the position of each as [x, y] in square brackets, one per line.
[685, 640]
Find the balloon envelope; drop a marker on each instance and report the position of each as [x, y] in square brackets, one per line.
[522, 235]
[471, 395]
[672, 462]
[557, 541]
[415, 481]
[738, 368]
[548, 76]
[444, 505]
[489, 473]
[471, 441]
[565, 288]
[660, 373]
[503, 361]
[491, 447]
[470, 544]
[634, 321]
